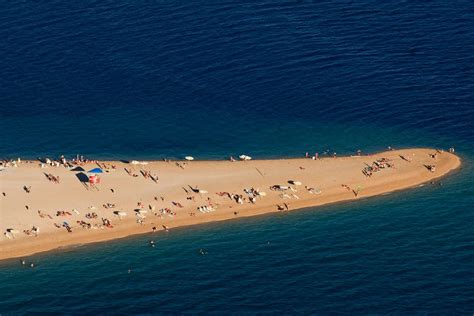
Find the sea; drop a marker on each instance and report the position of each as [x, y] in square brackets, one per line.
[213, 79]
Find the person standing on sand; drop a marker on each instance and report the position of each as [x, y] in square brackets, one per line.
[356, 191]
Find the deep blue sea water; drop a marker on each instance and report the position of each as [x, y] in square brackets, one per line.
[155, 79]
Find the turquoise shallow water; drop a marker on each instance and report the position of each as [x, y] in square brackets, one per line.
[129, 80]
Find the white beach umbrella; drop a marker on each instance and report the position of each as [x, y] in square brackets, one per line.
[120, 213]
[295, 182]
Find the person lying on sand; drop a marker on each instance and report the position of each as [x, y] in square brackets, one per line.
[346, 186]
[107, 223]
[91, 215]
[405, 158]
[68, 228]
[84, 224]
[177, 204]
[63, 213]
[43, 215]
[33, 231]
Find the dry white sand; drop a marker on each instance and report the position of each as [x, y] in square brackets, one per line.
[327, 175]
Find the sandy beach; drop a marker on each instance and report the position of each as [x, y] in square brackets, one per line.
[44, 208]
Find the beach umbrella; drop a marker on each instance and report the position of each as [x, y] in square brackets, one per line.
[245, 157]
[294, 182]
[120, 214]
[78, 169]
[96, 170]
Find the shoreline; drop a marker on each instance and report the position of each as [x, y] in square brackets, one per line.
[71, 247]
[172, 159]
[231, 176]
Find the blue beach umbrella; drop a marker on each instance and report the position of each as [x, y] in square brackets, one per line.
[95, 170]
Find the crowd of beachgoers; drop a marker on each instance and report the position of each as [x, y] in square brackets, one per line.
[203, 202]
